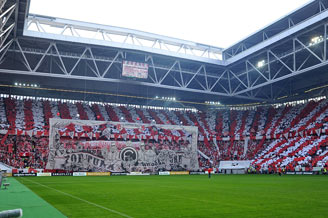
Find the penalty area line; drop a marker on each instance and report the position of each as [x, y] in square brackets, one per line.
[80, 199]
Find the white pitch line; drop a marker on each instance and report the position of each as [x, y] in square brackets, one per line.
[81, 199]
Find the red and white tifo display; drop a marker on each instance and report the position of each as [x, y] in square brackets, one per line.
[121, 151]
[289, 136]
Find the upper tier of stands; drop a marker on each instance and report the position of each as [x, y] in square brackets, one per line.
[33, 115]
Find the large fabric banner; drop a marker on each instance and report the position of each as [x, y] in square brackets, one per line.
[119, 147]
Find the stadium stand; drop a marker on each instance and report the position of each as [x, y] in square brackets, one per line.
[291, 135]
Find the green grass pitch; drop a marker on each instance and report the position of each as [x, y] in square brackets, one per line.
[185, 196]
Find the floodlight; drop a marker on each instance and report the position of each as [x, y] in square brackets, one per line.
[315, 40]
[261, 63]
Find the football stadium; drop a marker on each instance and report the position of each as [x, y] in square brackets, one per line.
[98, 120]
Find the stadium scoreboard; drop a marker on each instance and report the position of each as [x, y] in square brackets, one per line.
[135, 70]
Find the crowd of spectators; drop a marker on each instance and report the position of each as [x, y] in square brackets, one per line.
[287, 136]
[24, 151]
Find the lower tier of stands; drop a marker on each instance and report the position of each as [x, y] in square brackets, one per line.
[310, 151]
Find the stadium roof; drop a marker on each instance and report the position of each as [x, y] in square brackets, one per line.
[283, 60]
[215, 23]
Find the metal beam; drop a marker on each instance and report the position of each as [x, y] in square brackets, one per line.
[79, 28]
[279, 37]
[284, 77]
[66, 76]
[72, 55]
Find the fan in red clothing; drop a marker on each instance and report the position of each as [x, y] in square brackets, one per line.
[279, 171]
